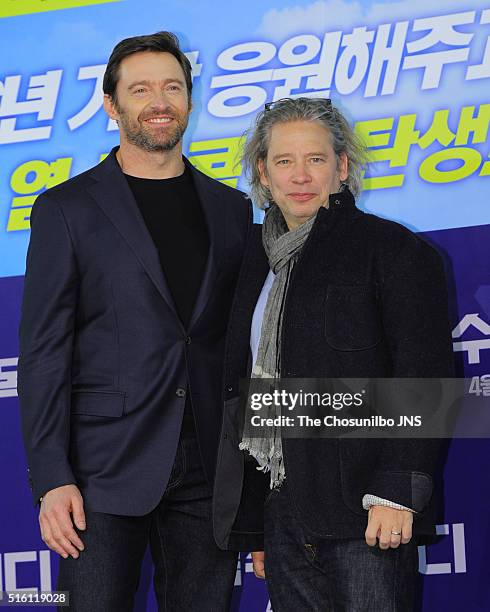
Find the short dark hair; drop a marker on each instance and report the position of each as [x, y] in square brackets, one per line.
[160, 42]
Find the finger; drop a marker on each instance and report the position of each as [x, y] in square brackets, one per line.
[259, 569]
[66, 528]
[384, 537]
[396, 536]
[63, 542]
[57, 549]
[48, 539]
[78, 513]
[258, 564]
[371, 532]
[65, 525]
[57, 526]
[407, 530]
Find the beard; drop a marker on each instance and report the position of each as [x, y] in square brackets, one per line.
[148, 138]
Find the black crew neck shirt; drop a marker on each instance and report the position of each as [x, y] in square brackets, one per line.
[173, 215]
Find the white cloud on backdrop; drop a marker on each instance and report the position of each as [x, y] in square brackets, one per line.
[327, 15]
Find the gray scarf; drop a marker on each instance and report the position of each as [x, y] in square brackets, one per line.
[282, 248]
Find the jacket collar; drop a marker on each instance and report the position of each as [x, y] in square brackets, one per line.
[341, 206]
[342, 200]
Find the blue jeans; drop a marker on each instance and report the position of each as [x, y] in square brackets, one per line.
[191, 572]
[306, 573]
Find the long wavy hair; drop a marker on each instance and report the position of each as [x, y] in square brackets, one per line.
[344, 140]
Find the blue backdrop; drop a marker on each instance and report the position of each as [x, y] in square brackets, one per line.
[413, 77]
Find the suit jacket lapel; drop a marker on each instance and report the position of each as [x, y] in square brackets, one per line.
[215, 212]
[112, 193]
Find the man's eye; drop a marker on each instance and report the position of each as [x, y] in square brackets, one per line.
[283, 162]
[317, 160]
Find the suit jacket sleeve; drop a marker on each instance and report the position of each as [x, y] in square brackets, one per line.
[46, 341]
[415, 320]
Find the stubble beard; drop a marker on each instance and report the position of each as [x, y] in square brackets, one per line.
[136, 134]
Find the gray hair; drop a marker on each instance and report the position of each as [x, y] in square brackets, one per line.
[344, 140]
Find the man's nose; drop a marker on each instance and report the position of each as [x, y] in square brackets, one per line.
[160, 100]
[301, 174]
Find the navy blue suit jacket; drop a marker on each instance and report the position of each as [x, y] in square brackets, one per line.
[105, 363]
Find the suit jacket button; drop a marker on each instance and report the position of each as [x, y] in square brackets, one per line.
[188, 340]
[180, 392]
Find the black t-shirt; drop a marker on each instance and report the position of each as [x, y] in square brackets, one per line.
[175, 220]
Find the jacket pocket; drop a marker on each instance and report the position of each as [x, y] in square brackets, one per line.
[98, 403]
[352, 317]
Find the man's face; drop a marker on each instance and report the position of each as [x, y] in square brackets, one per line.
[301, 169]
[152, 105]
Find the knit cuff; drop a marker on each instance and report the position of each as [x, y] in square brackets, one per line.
[373, 500]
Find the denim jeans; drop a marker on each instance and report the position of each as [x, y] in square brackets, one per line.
[305, 573]
[191, 572]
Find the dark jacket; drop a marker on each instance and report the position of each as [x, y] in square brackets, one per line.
[367, 298]
[105, 363]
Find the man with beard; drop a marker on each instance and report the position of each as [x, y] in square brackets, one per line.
[130, 273]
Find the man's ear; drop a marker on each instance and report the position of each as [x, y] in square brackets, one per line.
[109, 107]
[343, 167]
[261, 167]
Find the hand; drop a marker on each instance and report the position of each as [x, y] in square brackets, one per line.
[57, 530]
[258, 563]
[382, 520]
